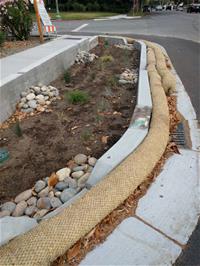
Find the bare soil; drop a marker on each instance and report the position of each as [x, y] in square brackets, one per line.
[50, 139]
[12, 47]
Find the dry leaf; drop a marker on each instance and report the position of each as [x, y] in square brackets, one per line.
[104, 139]
[173, 147]
[73, 252]
[53, 180]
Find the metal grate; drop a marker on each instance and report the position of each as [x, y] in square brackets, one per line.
[178, 136]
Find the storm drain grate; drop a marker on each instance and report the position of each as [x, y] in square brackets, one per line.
[178, 136]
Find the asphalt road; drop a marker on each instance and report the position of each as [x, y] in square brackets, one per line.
[179, 33]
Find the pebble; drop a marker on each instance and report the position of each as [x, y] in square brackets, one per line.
[40, 109]
[89, 170]
[72, 182]
[61, 185]
[58, 193]
[31, 210]
[83, 180]
[40, 97]
[4, 213]
[63, 173]
[51, 194]
[55, 202]
[30, 96]
[40, 213]
[8, 206]
[32, 104]
[32, 201]
[80, 168]
[23, 196]
[80, 158]
[67, 194]
[37, 89]
[25, 106]
[39, 185]
[23, 94]
[77, 174]
[28, 110]
[92, 161]
[20, 208]
[48, 102]
[44, 192]
[44, 203]
[43, 88]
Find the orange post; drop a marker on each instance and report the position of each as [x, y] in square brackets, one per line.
[38, 21]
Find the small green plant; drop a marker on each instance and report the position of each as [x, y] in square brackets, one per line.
[106, 44]
[112, 81]
[98, 119]
[106, 58]
[77, 96]
[2, 38]
[86, 135]
[17, 129]
[67, 77]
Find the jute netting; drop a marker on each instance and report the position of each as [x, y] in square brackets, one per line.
[52, 238]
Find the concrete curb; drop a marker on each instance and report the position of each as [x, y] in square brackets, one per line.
[136, 132]
[53, 237]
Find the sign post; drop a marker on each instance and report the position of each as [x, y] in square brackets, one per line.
[43, 18]
[38, 21]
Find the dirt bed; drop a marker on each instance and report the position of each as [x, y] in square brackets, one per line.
[12, 47]
[50, 139]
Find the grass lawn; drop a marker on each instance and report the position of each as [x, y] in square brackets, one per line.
[80, 15]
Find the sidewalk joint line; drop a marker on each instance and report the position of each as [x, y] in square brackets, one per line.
[159, 231]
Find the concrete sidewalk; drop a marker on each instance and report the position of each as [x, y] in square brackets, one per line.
[14, 64]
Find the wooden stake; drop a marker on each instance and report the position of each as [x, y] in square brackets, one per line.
[38, 21]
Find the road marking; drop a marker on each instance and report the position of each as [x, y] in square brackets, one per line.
[79, 28]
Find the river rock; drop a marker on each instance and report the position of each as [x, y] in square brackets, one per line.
[89, 170]
[63, 173]
[55, 202]
[80, 158]
[23, 94]
[51, 194]
[39, 185]
[44, 88]
[39, 97]
[92, 161]
[83, 180]
[77, 174]
[39, 214]
[14, 226]
[8, 206]
[44, 192]
[37, 90]
[72, 182]
[67, 194]
[32, 201]
[4, 213]
[20, 209]
[61, 185]
[31, 210]
[32, 104]
[80, 168]
[30, 96]
[28, 110]
[44, 203]
[58, 193]
[23, 196]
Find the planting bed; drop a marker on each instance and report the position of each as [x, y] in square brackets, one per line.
[43, 142]
[12, 47]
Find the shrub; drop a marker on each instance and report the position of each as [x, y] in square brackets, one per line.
[77, 96]
[16, 18]
[78, 7]
[67, 77]
[106, 58]
[2, 38]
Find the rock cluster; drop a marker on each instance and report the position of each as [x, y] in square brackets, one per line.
[129, 47]
[84, 57]
[51, 192]
[129, 77]
[37, 98]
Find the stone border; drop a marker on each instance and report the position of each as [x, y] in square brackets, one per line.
[52, 238]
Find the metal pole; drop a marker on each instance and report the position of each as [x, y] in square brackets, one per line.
[57, 10]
